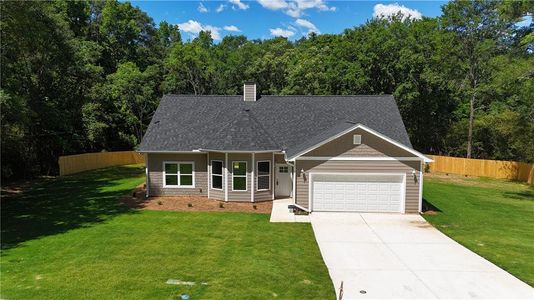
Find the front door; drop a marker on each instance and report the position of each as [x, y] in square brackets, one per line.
[282, 181]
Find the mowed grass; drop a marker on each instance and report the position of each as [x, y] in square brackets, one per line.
[93, 248]
[494, 218]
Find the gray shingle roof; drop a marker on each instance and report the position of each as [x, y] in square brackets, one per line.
[290, 123]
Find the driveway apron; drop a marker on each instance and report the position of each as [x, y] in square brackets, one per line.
[403, 256]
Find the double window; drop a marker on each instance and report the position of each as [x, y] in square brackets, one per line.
[179, 174]
[239, 176]
[216, 174]
[264, 175]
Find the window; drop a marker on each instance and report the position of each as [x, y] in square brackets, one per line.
[356, 139]
[283, 169]
[179, 174]
[264, 175]
[239, 176]
[216, 174]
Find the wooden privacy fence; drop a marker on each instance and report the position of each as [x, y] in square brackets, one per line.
[482, 167]
[72, 164]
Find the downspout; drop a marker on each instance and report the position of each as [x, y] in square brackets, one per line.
[147, 178]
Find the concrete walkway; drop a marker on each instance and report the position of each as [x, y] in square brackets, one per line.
[402, 256]
[281, 214]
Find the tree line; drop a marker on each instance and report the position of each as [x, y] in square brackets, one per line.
[86, 76]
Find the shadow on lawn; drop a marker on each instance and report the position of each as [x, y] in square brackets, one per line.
[58, 205]
[524, 195]
[428, 207]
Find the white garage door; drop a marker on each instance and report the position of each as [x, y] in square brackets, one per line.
[365, 193]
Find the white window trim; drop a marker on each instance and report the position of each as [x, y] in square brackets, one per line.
[258, 175]
[165, 185]
[246, 175]
[213, 174]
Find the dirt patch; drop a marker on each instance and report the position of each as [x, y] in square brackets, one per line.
[137, 199]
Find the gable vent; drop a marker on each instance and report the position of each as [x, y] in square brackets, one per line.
[249, 91]
[357, 139]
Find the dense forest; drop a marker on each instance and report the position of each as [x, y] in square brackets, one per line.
[86, 76]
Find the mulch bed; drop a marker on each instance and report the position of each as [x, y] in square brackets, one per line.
[137, 199]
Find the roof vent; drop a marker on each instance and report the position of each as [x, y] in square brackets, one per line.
[249, 91]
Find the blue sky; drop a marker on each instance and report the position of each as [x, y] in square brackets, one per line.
[269, 18]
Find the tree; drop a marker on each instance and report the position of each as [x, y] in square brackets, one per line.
[478, 34]
[134, 95]
[189, 70]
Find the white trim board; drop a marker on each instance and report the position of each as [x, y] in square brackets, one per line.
[236, 151]
[172, 152]
[369, 130]
[347, 158]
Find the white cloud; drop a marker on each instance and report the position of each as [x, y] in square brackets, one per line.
[220, 8]
[231, 28]
[308, 25]
[201, 8]
[193, 27]
[273, 4]
[190, 27]
[295, 8]
[215, 32]
[282, 32]
[238, 4]
[389, 10]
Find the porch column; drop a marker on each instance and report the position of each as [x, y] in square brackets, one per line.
[147, 176]
[253, 178]
[208, 167]
[273, 169]
[226, 176]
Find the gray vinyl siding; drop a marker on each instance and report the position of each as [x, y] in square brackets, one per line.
[371, 145]
[336, 166]
[216, 194]
[279, 159]
[203, 173]
[155, 175]
[239, 195]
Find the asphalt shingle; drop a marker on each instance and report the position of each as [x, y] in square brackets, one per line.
[186, 123]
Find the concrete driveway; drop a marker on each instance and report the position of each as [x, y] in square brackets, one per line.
[402, 256]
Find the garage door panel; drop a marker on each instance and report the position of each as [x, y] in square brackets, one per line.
[374, 193]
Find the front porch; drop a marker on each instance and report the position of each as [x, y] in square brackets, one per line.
[251, 177]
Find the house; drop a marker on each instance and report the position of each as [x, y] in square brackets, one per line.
[328, 153]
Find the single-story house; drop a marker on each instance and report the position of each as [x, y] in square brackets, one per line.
[327, 153]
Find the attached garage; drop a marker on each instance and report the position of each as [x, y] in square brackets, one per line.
[357, 192]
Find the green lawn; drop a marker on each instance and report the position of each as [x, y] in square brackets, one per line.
[494, 218]
[68, 239]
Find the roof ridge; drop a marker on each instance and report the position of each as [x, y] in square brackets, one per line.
[281, 96]
[352, 95]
